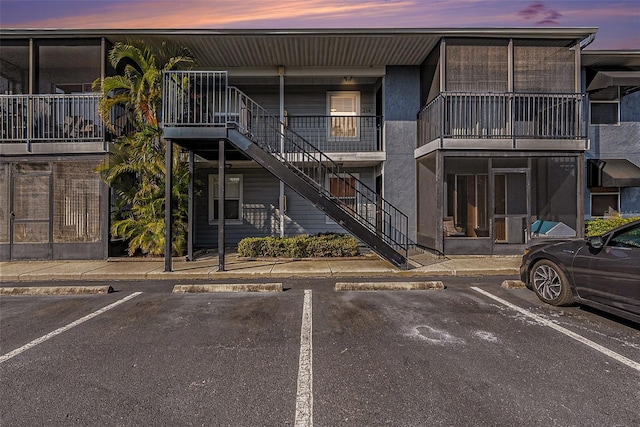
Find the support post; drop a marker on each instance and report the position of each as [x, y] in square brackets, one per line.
[190, 217]
[281, 203]
[221, 199]
[168, 206]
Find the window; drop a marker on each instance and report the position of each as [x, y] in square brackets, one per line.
[76, 210]
[604, 107]
[466, 197]
[477, 66]
[344, 108]
[469, 212]
[233, 198]
[605, 112]
[605, 203]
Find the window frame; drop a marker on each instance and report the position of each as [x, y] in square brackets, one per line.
[602, 193]
[213, 183]
[358, 111]
[456, 214]
[592, 102]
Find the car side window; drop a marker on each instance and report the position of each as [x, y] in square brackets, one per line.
[626, 239]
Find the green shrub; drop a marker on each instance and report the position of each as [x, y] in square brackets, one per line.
[320, 245]
[598, 226]
[250, 246]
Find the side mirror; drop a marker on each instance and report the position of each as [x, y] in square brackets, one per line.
[596, 242]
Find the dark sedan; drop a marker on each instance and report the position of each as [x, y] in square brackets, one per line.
[600, 271]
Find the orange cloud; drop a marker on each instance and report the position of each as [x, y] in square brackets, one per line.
[200, 14]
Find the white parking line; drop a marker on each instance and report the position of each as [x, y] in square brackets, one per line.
[58, 331]
[304, 397]
[580, 338]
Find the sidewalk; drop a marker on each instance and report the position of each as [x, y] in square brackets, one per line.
[206, 267]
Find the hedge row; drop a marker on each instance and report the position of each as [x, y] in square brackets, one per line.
[319, 245]
[598, 226]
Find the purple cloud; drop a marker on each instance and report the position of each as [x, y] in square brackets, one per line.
[541, 14]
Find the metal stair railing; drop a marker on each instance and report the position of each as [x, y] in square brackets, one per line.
[330, 179]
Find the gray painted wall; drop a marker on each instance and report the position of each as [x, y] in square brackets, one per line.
[302, 100]
[260, 203]
[401, 106]
[260, 209]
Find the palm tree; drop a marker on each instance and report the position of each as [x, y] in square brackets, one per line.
[135, 166]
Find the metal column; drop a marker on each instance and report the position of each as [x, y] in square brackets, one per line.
[168, 205]
[190, 217]
[281, 200]
[221, 199]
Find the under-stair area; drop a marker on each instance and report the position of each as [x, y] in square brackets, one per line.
[201, 106]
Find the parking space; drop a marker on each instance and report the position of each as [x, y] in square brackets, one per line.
[449, 357]
[456, 358]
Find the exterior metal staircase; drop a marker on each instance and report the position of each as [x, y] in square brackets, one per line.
[313, 175]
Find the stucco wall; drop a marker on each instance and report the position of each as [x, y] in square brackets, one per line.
[620, 141]
[401, 106]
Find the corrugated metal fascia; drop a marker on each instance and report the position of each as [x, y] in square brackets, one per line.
[565, 32]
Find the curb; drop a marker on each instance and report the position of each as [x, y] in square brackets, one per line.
[56, 290]
[237, 287]
[389, 286]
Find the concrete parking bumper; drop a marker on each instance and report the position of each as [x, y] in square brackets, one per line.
[225, 287]
[389, 286]
[55, 290]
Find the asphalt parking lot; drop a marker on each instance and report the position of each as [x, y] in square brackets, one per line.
[471, 354]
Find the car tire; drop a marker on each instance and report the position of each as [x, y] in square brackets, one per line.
[550, 283]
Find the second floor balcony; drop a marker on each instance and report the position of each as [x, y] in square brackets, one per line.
[47, 120]
[198, 100]
[503, 121]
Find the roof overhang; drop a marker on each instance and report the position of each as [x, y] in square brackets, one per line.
[611, 59]
[604, 79]
[615, 173]
[312, 47]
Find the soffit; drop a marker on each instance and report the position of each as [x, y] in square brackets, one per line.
[301, 51]
[313, 48]
[611, 59]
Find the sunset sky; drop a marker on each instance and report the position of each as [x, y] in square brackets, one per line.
[618, 21]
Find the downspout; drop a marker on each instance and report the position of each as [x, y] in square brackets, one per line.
[587, 41]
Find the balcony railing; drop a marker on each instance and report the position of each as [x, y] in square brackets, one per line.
[339, 133]
[195, 99]
[50, 118]
[502, 116]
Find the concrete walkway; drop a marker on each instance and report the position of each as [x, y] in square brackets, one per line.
[206, 267]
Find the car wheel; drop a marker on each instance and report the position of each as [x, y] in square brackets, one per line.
[550, 283]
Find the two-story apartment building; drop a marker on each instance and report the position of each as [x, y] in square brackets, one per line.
[458, 140]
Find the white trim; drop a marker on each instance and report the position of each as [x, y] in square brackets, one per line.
[213, 184]
[605, 193]
[304, 394]
[617, 123]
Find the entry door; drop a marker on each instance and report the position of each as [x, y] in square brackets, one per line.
[31, 211]
[510, 207]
